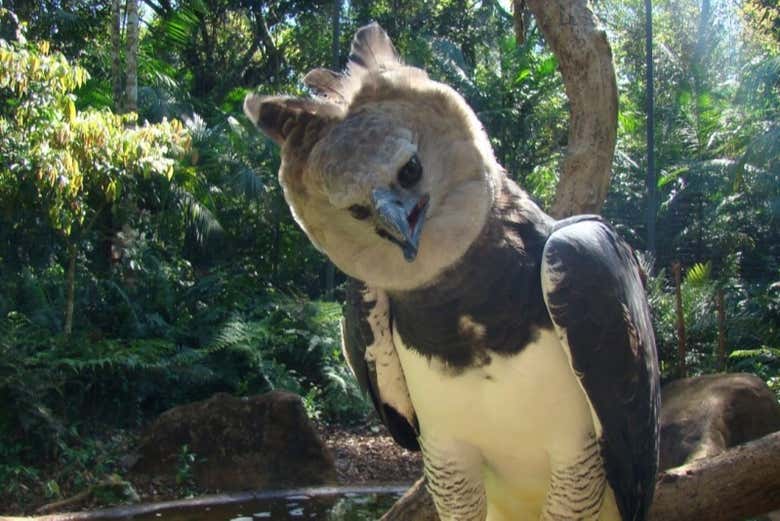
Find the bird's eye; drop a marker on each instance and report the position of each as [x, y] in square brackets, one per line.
[359, 212]
[410, 173]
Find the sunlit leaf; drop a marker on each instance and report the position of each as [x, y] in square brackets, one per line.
[71, 111]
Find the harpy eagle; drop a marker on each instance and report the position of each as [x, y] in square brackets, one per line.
[514, 350]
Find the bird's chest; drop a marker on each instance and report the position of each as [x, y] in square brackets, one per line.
[517, 412]
[522, 394]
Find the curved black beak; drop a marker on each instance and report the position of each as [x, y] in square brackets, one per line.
[400, 218]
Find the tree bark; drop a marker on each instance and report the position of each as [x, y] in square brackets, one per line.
[649, 107]
[336, 35]
[116, 53]
[585, 59]
[131, 81]
[70, 289]
[739, 483]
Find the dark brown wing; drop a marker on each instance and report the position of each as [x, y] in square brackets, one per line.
[596, 299]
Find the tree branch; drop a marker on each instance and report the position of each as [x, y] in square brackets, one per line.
[741, 482]
[415, 505]
[585, 61]
[275, 59]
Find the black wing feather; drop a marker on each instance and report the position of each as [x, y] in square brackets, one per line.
[596, 299]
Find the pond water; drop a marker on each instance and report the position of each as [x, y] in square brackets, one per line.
[363, 504]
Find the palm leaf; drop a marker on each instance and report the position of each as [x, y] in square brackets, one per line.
[699, 274]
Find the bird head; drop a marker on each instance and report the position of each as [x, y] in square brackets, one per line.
[387, 171]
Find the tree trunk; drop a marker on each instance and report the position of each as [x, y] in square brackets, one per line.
[275, 58]
[116, 54]
[739, 483]
[721, 330]
[131, 81]
[336, 40]
[649, 107]
[276, 246]
[330, 268]
[585, 59]
[70, 289]
[681, 348]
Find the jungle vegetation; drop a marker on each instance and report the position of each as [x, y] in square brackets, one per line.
[147, 257]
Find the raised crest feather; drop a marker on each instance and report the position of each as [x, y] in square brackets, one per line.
[327, 84]
[372, 52]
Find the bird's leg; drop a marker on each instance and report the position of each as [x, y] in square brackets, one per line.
[577, 485]
[453, 473]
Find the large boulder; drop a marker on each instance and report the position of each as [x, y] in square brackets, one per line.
[704, 415]
[258, 442]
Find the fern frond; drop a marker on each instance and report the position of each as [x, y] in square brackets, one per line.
[699, 274]
[767, 354]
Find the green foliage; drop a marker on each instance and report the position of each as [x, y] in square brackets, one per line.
[70, 165]
[184, 463]
[765, 362]
[165, 312]
[698, 274]
[716, 157]
[750, 319]
[75, 161]
[294, 344]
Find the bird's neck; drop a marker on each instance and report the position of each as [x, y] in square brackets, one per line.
[514, 233]
[498, 274]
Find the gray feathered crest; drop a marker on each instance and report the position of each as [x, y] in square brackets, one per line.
[372, 51]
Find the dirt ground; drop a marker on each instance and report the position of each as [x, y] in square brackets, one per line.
[369, 456]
